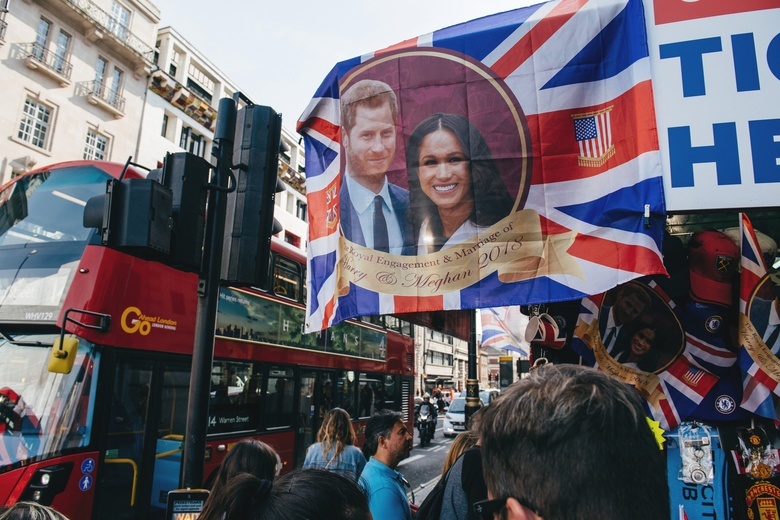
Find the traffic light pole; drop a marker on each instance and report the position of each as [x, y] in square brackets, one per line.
[193, 459]
[472, 382]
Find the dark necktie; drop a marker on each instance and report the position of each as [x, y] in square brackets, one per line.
[772, 339]
[380, 226]
[610, 337]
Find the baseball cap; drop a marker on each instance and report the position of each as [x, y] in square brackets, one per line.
[713, 259]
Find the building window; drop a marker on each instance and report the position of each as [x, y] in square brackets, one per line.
[41, 38]
[116, 85]
[164, 131]
[301, 210]
[199, 83]
[61, 52]
[192, 142]
[172, 67]
[96, 147]
[290, 203]
[100, 72]
[292, 239]
[119, 21]
[34, 127]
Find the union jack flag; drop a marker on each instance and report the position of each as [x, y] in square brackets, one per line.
[568, 72]
[501, 329]
[757, 385]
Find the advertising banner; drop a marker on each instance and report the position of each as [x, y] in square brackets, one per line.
[716, 78]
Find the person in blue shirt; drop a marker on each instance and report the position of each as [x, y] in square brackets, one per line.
[387, 443]
[335, 450]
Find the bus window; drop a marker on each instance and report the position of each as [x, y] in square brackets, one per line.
[345, 391]
[367, 394]
[48, 412]
[287, 278]
[279, 397]
[124, 463]
[377, 392]
[391, 389]
[235, 392]
[170, 433]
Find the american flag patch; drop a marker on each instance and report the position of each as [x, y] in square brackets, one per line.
[594, 137]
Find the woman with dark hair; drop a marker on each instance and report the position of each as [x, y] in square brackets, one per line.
[639, 352]
[455, 187]
[30, 511]
[335, 447]
[300, 495]
[247, 456]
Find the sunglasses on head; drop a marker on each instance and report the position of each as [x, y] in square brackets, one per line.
[487, 509]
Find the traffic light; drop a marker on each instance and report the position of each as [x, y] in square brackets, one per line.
[133, 214]
[186, 175]
[250, 207]
[159, 218]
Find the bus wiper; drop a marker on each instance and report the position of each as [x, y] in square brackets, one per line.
[11, 340]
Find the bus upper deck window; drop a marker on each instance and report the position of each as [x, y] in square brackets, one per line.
[287, 279]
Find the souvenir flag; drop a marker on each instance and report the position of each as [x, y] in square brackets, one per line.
[760, 366]
[548, 111]
[651, 352]
[501, 329]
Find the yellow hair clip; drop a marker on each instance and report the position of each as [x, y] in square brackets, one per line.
[658, 432]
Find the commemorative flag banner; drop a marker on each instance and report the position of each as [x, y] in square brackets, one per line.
[759, 326]
[509, 160]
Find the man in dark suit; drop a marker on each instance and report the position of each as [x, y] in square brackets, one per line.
[765, 314]
[630, 302]
[374, 213]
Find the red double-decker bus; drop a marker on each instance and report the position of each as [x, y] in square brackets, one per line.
[105, 440]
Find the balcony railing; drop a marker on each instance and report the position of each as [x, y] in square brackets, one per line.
[113, 26]
[36, 55]
[100, 93]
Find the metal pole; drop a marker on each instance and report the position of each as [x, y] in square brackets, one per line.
[193, 459]
[472, 383]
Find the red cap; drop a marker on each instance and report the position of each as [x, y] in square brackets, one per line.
[713, 258]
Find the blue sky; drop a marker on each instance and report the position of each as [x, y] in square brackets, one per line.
[279, 52]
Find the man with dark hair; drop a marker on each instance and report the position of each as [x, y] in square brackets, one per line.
[631, 300]
[570, 443]
[387, 443]
[373, 211]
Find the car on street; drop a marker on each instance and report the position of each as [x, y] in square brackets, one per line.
[455, 418]
[486, 396]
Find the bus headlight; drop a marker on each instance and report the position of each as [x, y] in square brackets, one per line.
[47, 482]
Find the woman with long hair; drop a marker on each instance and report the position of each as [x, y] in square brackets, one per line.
[247, 456]
[462, 442]
[335, 447]
[300, 495]
[455, 187]
[640, 351]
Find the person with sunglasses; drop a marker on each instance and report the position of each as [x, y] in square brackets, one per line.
[569, 442]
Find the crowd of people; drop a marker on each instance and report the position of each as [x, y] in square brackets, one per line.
[567, 442]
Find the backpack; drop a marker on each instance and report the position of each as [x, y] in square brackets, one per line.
[430, 509]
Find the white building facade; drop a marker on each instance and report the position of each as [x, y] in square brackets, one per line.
[74, 77]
